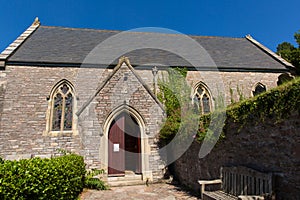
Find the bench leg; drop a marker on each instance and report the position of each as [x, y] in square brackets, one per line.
[202, 190]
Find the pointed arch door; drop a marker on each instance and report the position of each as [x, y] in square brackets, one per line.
[116, 156]
[124, 146]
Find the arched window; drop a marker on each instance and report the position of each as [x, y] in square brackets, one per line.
[61, 107]
[259, 88]
[202, 99]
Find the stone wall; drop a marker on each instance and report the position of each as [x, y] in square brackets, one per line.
[232, 84]
[24, 114]
[24, 104]
[2, 93]
[268, 147]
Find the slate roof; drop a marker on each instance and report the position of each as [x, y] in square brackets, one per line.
[69, 47]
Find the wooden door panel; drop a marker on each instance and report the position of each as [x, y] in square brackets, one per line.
[116, 155]
[132, 144]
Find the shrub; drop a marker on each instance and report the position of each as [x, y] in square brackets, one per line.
[93, 182]
[36, 178]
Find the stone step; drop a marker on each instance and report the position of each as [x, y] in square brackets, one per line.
[123, 178]
[125, 183]
[128, 179]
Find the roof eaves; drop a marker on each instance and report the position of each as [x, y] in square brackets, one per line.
[17, 43]
[270, 52]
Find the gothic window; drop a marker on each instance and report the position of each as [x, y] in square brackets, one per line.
[259, 88]
[203, 99]
[62, 103]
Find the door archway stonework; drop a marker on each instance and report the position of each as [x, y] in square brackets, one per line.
[144, 138]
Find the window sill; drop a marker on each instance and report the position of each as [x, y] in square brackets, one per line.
[61, 133]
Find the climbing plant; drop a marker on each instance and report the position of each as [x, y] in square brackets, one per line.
[174, 93]
[277, 103]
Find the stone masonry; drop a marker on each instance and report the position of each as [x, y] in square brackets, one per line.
[268, 147]
[25, 90]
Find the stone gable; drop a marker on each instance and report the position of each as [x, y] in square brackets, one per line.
[125, 88]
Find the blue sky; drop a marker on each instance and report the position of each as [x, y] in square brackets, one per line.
[269, 21]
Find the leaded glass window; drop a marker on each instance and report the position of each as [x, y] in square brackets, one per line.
[62, 108]
[203, 100]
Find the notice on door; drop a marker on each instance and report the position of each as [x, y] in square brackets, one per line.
[116, 147]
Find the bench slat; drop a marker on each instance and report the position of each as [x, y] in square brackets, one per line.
[240, 181]
[219, 195]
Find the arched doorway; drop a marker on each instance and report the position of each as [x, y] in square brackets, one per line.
[124, 145]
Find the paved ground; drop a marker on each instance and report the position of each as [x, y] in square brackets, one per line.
[162, 191]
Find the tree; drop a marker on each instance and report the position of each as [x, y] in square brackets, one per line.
[297, 38]
[285, 46]
[291, 53]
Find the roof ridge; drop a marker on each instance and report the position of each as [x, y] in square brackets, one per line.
[17, 43]
[140, 32]
[269, 51]
[84, 29]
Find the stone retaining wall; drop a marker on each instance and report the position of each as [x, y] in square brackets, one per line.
[268, 147]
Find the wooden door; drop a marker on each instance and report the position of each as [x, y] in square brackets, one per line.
[116, 144]
[132, 145]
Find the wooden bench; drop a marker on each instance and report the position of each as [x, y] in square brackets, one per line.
[239, 183]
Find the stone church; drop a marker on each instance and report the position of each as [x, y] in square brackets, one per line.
[94, 92]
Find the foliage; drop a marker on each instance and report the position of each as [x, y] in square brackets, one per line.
[56, 178]
[285, 46]
[277, 103]
[171, 88]
[92, 181]
[231, 96]
[290, 53]
[240, 93]
[297, 37]
[175, 94]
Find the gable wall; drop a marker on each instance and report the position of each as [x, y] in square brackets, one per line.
[125, 88]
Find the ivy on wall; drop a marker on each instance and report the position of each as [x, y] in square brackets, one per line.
[277, 103]
[174, 93]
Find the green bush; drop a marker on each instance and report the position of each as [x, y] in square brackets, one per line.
[36, 178]
[93, 182]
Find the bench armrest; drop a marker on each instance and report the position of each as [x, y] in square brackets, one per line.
[208, 182]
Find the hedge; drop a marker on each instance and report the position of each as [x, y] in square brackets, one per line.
[36, 178]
